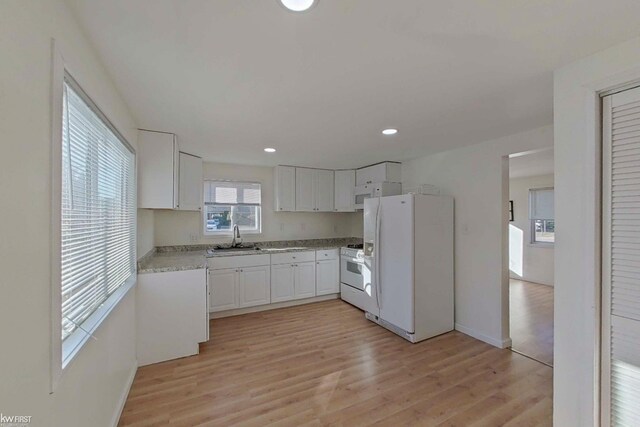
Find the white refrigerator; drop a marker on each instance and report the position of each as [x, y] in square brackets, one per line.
[408, 247]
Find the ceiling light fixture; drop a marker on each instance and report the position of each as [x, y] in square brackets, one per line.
[298, 5]
[389, 131]
[270, 150]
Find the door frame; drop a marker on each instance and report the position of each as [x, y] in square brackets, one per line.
[593, 93]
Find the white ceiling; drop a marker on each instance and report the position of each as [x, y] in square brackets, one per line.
[532, 164]
[231, 77]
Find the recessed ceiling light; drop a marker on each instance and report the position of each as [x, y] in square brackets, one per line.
[298, 5]
[270, 150]
[389, 131]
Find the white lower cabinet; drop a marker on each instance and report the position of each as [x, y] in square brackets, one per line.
[254, 286]
[293, 276]
[305, 280]
[327, 276]
[171, 314]
[239, 287]
[293, 281]
[282, 282]
[224, 286]
[253, 280]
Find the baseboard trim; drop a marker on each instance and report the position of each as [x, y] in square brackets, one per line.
[125, 394]
[506, 343]
[239, 311]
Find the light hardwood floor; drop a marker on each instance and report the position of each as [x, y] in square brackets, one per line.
[325, 364]
[531, 319]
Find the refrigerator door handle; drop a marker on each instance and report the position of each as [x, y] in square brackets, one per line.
[377, 255]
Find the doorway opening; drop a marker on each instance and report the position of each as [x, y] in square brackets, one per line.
[531, 254]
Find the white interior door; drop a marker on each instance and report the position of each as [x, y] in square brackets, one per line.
[621, 260]
[395, 258]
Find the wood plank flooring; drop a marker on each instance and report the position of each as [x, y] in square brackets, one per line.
[531, 319]
[325, 364]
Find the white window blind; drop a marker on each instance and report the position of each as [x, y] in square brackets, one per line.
[541, 203]
[98, 210]
[621, 260]
[232, 193]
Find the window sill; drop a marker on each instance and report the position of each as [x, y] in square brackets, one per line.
[230, 234]
[541, 245]
[78, 338]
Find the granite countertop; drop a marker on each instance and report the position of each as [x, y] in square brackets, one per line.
[160, 262]
[193, 257]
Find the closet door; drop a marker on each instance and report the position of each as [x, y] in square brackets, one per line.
[621, 260]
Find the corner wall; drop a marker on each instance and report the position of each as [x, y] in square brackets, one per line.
[94, 385]
[474, 176]
[577, 190]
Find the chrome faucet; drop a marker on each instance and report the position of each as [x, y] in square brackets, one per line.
[237, 240]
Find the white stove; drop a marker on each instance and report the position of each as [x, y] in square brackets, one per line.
[354, 276]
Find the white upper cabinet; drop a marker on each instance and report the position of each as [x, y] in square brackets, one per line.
[314, 190]
[284, 181]
[167, 178]
[158, 158]
[190, 181]
[305, 190]
[344, 198]
[324, 190]
[381, 172]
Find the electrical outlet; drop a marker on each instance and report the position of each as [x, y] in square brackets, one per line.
[335, 228]
[282, 227]
[303, 226]
[193, 238]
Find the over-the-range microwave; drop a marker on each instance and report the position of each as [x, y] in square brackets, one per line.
[379, 189]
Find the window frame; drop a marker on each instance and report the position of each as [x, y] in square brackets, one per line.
[63, 353]
[229, 232]
[533, 233]
[532, 222]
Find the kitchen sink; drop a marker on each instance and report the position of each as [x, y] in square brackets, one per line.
[235, 249]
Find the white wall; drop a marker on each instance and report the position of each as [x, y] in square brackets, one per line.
[474, 176]
[577, 191]
[146, 224]
[535, 260]
[181, 228]
[93, 386]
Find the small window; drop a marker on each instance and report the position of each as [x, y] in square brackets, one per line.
[228, 203]
[541, 214]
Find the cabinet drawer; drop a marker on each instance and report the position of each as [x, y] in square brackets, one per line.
[327, 254]
[218, 263]
[293, 257]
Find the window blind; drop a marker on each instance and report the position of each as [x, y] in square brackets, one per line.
[621, 259]
[98, 209]
[541, 204]
[232, 193]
